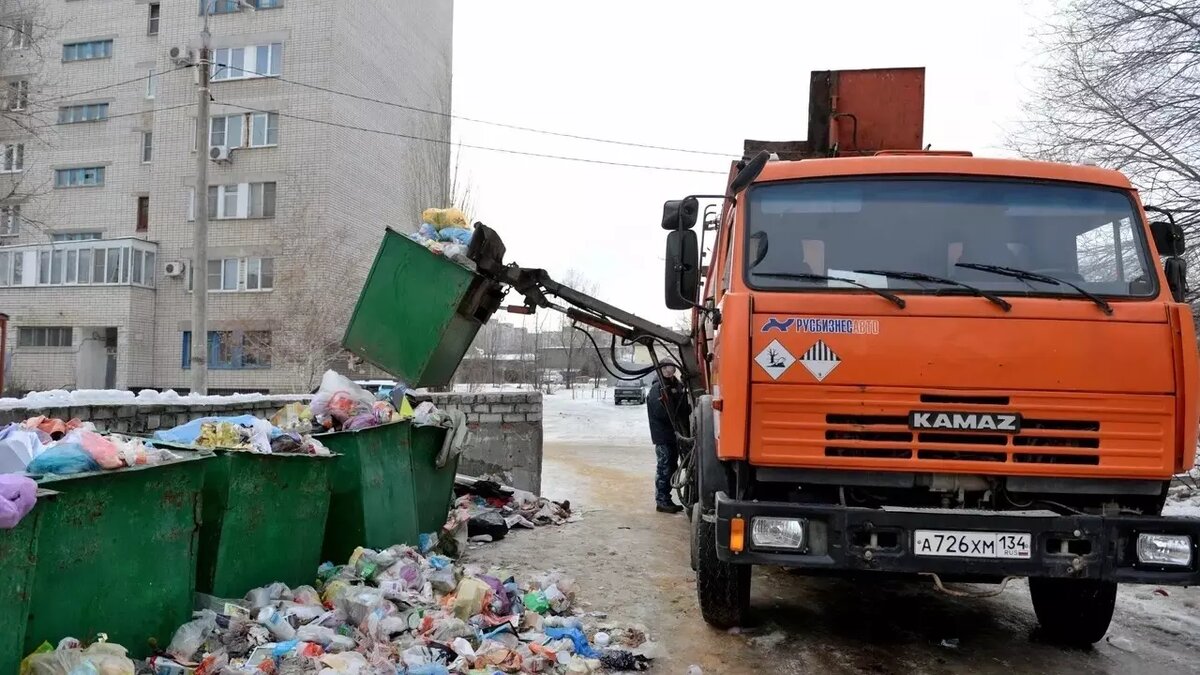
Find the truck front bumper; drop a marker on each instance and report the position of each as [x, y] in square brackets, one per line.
[847, 539]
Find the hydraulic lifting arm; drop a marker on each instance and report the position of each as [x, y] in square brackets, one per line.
[487, 251]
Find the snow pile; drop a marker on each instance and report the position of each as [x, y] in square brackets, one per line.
[585, 420]
[58, 398]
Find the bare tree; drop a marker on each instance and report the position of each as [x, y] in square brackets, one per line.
[1120, 86]
[567, 338]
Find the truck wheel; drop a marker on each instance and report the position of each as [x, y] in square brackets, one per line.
[1073, 611]
[723, 588]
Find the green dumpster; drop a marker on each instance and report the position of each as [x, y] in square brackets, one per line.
[18, 557]
[116, 554]
[415, 318]
[418, 312]
[262, 520]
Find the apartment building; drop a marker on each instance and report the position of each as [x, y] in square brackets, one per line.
[98, 172]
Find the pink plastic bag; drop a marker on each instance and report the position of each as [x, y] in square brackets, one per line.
[100, 448]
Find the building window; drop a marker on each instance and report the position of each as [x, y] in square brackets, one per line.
[143, 214]
[21, 34]
[10, 220]
[16, 95]
[232, 349]
[225, 131]
[264, 129]
[87, 51]
[74, 114]
[243, 200]
[14, 158]
[239, 63]
[239, 274]
[147, 146]
[151, 84]
[83, 177]
[55, 336]
[231, 6]
[80, 262]
[74, 236]
[152, 23]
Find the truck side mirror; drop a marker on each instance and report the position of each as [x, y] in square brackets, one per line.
[680, 214]
[682, 279]
[1176, 271]
[1168, 238]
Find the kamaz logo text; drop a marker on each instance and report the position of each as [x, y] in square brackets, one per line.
[1010, 423]
[842, 326]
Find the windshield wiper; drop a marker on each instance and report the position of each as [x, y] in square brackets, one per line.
[921, 276]
[1037, 276]
[803, 276]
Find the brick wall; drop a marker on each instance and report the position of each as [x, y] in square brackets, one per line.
[508, 435]
[507, 428]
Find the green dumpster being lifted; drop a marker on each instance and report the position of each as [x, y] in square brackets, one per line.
[415, 319]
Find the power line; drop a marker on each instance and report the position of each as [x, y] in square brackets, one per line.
[114, 85]
[510, 151]
[475, 120]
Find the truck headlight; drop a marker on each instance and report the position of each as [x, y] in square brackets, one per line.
[777, 533]
[1164, 549]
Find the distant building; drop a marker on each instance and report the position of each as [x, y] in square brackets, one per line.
[96, 237]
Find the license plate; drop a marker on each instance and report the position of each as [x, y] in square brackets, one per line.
[1009, 545]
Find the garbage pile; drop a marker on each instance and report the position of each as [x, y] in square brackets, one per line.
[43, 445]
[490, 509]
[445, 232]
[398, 612]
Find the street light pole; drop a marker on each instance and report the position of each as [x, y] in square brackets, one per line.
[199, 342]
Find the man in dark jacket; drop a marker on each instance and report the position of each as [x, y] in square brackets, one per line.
[666, 394]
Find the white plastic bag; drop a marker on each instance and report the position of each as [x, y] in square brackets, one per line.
[191, 636]
[340, 398]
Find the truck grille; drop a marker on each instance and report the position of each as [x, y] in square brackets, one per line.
[1035, 444]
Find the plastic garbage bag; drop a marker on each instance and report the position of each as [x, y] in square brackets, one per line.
[293, 417]
[577, 638]
[191, 636]
[469, 597]
[18, 494]
[455, 235]
[359, 602]
[316, 634]
[560, 600]
[340, 398]
[490, 523]
[535, 601]
[186, 434]
[18, 447]
[63, 459]
[442, 218]
[102, 658]
[100, 448]
[266, 595]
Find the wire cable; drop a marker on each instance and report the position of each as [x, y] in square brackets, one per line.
[510, 151]
[114, 85]
[464, 118]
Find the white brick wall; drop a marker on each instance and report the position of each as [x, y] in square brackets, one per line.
[337, 189]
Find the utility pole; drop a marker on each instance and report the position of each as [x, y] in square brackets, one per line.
[199, 356]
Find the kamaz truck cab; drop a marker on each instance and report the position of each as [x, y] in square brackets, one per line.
[935, 365]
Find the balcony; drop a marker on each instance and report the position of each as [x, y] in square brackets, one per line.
[97, 262]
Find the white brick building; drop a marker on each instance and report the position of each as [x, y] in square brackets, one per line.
[299, 210]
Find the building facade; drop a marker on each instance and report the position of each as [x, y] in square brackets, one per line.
[98, 134]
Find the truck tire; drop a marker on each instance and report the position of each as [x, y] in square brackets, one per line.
[722, 588]
[711, 475]
[694, 515]
[1073, 612]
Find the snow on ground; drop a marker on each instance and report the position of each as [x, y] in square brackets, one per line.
[59, 398]
[591, 417]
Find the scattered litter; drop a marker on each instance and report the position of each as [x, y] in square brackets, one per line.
[694, 670]
[1158, 591]
[490, 510]
[768, 641]
[18, 495]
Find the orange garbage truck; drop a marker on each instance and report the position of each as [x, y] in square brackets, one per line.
[931, 364]
[921, 363]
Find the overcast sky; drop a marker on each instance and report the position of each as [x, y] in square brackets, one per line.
[695, 74]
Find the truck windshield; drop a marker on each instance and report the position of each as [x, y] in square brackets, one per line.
[1089, 236]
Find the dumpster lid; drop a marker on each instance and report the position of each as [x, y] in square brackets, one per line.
[418, 312]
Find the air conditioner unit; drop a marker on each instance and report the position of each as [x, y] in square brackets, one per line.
[220, 153]
[173, 269]
[181, 55]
